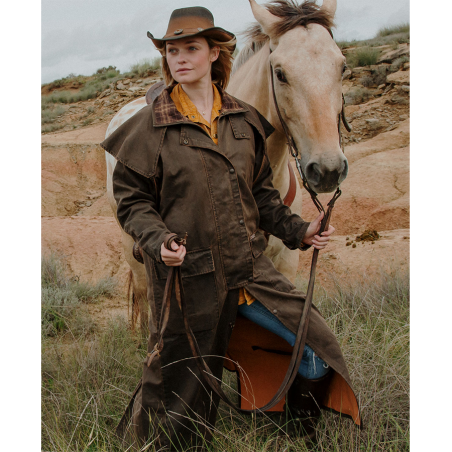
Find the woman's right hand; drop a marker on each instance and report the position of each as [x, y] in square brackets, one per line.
[173, 258]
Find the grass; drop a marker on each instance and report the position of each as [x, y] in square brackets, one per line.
[357, 95]
[396, 34]
[87, 384]
[62, 297]
[398, 63]
[394, 29]
[144, 67]
[362, 56]
[90, 87]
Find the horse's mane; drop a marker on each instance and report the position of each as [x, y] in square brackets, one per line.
[292, 15]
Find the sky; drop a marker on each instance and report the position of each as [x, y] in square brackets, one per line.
[81, 36]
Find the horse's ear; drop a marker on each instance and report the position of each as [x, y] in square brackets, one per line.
[265, 18]
[329, 6]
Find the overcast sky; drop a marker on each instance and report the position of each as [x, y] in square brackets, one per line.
[80, 36]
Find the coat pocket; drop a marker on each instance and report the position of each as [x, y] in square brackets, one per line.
[258, 243]
[198, 279]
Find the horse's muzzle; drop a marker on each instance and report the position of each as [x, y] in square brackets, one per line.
[325, 178]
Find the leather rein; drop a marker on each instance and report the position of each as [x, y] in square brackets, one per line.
[174, 281]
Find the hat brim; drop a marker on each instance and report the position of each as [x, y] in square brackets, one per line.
[217, 33]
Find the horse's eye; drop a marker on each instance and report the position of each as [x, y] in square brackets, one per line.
[344, 68]
[280, 76]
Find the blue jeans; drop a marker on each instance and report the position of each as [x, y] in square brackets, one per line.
[311, 365]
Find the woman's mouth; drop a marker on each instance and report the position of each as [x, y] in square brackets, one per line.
[183, 70]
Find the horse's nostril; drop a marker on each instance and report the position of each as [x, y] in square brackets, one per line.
[344, 171]
[313, 173]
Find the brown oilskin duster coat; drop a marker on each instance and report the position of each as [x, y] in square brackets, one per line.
[172, 178]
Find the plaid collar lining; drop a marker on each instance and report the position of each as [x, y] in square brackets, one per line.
[166, 112]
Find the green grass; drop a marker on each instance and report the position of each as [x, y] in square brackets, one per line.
[388, 35]
[394, 29]
[50, 113]
[357, 95]
[362, 56]
[62, 298]
[86, 384]
[144, 67]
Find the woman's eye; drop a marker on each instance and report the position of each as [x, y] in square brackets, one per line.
[173, 51]
[280, 76]
[192, 48]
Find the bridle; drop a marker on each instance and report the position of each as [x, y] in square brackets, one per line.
[293, 150]
[174, 281]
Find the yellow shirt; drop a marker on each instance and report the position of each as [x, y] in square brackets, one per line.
[188, 109]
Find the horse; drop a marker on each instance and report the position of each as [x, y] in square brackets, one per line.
[295, 42]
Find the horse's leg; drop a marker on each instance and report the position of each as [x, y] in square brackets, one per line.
[139, 288]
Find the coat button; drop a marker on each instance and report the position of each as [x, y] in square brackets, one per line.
[250, 279]
[232, 171]
[275, 311]
[185, 141]
[241, 222]
[243, 135]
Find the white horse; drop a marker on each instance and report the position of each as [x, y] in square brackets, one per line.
[308, 69]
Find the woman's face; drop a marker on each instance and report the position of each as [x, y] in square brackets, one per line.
[190, 59]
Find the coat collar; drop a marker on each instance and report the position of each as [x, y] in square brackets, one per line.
[166, 112]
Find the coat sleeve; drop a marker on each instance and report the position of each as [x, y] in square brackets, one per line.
[137, 200]
[275, 217]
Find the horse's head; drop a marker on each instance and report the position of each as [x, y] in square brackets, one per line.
[307, 70]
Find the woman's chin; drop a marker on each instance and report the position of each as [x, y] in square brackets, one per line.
[188, 78]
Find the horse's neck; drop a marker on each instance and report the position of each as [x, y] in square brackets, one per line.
[252, 83]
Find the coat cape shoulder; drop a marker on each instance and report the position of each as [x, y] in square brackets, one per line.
[137, 143]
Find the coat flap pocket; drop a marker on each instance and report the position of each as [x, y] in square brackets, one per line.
[196, 262]
[240, 128]
[258, 243]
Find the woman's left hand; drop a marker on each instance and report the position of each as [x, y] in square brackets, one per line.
[319, 242]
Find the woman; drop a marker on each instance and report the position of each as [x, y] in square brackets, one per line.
[195, 162]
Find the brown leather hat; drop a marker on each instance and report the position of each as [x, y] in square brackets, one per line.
[189, 22]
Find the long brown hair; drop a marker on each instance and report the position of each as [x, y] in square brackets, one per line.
[221, 67]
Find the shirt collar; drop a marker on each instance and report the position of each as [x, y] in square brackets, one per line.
[166, 112]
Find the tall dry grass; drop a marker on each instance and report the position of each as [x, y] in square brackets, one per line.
[87, 382]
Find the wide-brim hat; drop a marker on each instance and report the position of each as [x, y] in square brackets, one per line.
[192, 21]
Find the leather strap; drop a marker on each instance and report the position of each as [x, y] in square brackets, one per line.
[292, 191]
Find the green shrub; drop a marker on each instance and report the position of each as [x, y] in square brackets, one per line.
[362, 56]
[143, 68]
[398, 63]
[49, 114]
[376, 78]
[357, 95]
[52, 128]
[62, 297]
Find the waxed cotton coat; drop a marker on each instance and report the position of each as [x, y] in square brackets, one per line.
[171, 177]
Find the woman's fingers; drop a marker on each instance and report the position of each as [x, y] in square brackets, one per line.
[173, 258]
[331, 229]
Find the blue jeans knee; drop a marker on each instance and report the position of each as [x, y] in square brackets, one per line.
[311, 366]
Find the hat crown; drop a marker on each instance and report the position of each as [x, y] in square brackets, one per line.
[192, 11]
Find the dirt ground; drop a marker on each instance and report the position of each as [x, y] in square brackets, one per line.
[78, 222]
